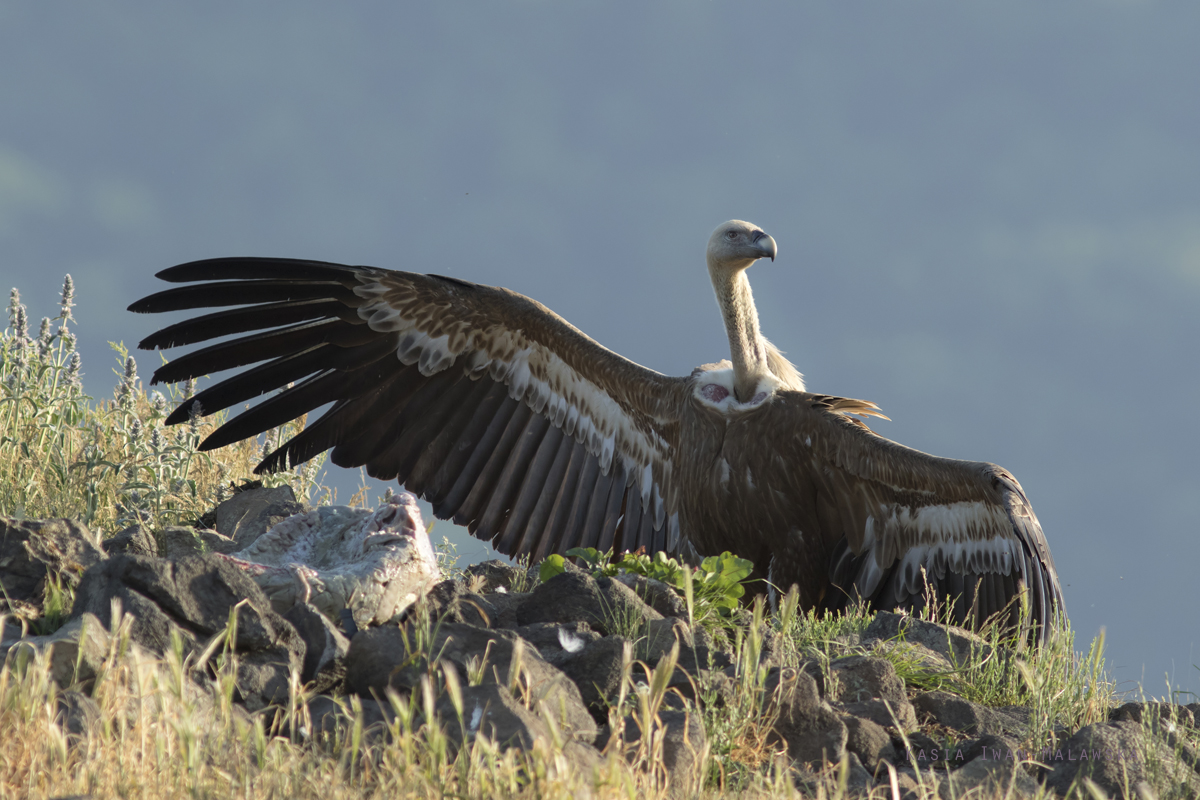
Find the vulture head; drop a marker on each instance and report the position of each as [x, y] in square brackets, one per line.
[735, 245]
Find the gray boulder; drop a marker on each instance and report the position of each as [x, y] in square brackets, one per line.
[392, 658]
[251, 513]
[684, 744]
[606, 605]
[869, 741]
[452, 601]
[859, 678]
[869, 688]
[491, 710]
[496, 575]
[181, 541]
[957, 646]
[893, 716]
[1154, 714]
[77, 715]
[332, 717]
[987, 778]
[135, 540]
[1117, 756]
[75, 652]
[558, 642]
[32, 552]
[952, 711]
[597, 671]
[193, 598]
[811, 730]
[656, 594]
[325, 647]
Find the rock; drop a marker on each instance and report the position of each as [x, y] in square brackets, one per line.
[684, 745]
[1115, 755]
[858, 777]
[957, 645]
[988, 778]
[868, 687]
[381, 658]
[715, 688]
[183, 542]
[32, 552]
[869, 741]
[491, 710]
[923, 752]
[663, 634]
[696, 662]
[804, 723]
[331, 717]
[251, 513]
[558, 642]
[954, 712]
[450, 601]
[597, 671]
[700, 658]
[496, 575]
[1154, 713]
[76, 652]
[656, 594]
[991, 747]
[376, 563]
[325, 647]
[193, 597]
[77, 715]
[914, 785]
[919, 654]
[134, 540]
[501, 608]
[893, 716]
[605, 605]
[859, 678]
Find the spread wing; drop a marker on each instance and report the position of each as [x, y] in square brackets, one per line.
[504, 416]
[893, 518]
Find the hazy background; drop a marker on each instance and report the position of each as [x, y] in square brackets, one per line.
[988, 214]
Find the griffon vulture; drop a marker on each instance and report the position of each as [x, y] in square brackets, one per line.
[511, 421]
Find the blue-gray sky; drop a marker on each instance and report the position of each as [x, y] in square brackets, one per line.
[988, 214]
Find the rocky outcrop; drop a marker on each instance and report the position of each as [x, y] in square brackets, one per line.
[538, 665]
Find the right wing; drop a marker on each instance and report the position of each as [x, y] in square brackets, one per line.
[504, 416]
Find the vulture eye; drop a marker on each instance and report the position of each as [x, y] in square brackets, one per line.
[731, 234]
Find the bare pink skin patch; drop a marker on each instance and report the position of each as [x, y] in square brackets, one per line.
[714, 393]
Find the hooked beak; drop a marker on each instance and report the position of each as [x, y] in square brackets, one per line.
[765, 245]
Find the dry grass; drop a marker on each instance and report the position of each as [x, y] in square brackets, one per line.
[149, 730]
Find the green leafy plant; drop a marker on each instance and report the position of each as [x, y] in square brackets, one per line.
[717, 583]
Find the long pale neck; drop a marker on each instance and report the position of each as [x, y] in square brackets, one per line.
[746, 345]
